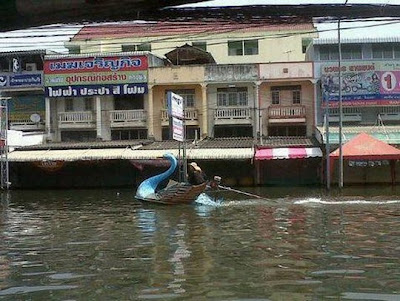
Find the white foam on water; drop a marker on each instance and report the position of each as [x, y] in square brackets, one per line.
[204, 199]
[345, 202]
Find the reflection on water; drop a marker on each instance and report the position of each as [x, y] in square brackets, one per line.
[296, 244]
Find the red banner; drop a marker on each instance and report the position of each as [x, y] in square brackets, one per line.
[95, 64]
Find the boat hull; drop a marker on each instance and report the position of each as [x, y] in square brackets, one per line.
[179, 193]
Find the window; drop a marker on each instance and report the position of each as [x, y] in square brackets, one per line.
[275, 96]
[351, 52]
[328, 52]
[286, 92]
[246, 47]
[88, 104]
[144, 47]
[251, 47]
[396, 48]
[232, 97]
[188, 96]
[304, 44]
[386, 51]
[296, 97]
[129, 102]
[200, 45]
[74, 49]
[133, 47]
[69, 104]
[235, 48]
[128, 48]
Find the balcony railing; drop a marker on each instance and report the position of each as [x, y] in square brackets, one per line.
[83, 119]
[26, 124]
[127, 118]
[285, 112]
[232, 113]
[348, 115]
[191, 116]
[389, 114]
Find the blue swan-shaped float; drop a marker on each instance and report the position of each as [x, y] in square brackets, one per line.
[176, 193]
[148, 187]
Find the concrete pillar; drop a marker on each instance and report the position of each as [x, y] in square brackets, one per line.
[150, 113]
[204, 112]
[257, 125]
[47, 118]
[98, 118]
[315, 106]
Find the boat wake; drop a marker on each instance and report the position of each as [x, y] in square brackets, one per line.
[319, 201]
[205, 199]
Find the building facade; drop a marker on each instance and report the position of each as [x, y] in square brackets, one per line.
[227, 42]
[222, 99]
[370, 93]
[21, 81]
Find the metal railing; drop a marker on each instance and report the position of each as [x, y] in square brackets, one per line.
[281, 112]
[191, 114]
[120, 117]
[222, 113]
[83, 117]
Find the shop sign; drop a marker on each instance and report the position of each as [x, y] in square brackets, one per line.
[175, 105]
[96, 90]
[22, 107]
[20, 80]
[91, 76]
[178, 133]
[368, 163]
[363, 84]
[49, 166]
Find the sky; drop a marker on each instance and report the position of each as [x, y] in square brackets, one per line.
[53, 37]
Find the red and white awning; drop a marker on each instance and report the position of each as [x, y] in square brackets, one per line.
[287, 153]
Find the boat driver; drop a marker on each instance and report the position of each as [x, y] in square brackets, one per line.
[196, 175]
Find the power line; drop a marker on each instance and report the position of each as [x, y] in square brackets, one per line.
[24, 44]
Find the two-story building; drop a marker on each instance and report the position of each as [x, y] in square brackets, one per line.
[370, 98]
[98, 97]
[370, 93]
[222, 94]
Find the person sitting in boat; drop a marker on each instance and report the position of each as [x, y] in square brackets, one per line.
[196, 175]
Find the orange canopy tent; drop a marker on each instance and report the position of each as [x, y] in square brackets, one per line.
[366, 147]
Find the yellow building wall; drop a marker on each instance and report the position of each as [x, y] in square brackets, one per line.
[272, 47]
[159, 104]
[176, 75]
[307, 100]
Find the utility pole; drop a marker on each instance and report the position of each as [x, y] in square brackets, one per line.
[327, 143]
[340, 108]
[5, 180]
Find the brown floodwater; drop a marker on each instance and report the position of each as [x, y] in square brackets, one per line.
[295, 244]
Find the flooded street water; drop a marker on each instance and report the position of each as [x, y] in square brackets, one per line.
[297, 244]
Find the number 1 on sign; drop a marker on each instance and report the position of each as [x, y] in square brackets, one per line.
[389, 81]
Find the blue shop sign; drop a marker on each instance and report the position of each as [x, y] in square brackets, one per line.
[96, 90]
[21, 80]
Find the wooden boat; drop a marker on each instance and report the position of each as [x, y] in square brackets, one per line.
[174, 194]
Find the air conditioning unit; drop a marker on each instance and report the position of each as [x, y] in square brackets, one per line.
[30, 67]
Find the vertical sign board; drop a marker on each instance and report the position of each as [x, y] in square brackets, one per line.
[175, 110]
[178, 132]
[175, 105]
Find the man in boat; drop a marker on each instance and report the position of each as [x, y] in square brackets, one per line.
[196, 175]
